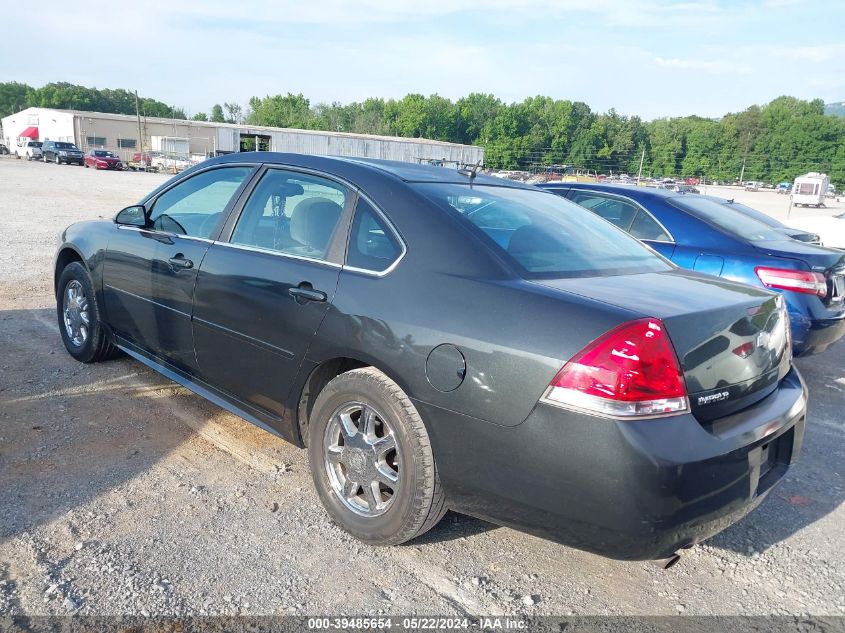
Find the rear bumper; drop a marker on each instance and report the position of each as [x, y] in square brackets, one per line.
[813, 336]
[626, 490]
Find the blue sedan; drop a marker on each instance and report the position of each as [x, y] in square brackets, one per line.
[705, 234]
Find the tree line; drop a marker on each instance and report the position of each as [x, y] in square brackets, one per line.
[773, 142]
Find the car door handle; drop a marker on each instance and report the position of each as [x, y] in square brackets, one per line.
[180, 262]
[305, 292]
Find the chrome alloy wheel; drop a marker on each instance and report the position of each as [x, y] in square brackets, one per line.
[362, 459]
[76, 316]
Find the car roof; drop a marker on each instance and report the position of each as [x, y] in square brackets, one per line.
[632, 191]
[345, 165]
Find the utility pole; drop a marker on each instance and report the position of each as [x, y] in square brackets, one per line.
[640, 172]
[140, 135]
[744, 158]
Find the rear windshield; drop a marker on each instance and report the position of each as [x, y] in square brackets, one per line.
[34, 143]
[729, 220]
[544, 235]
[754, 213]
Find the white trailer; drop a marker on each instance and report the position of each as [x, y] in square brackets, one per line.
[810, 189]
[171, 145]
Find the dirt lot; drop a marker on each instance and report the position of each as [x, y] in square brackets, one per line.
[121, 493]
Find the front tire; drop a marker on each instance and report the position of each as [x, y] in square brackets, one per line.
[58, 160]
[371, 459]
[79, 317]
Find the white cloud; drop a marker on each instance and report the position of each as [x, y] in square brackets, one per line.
[714, 66]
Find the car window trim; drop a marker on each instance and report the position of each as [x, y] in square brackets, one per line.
[143, 229]
[625, 198]
[151, 200]
[283, 255]
[390, 226]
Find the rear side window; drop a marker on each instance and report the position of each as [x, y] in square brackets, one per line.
[544, 235]
[372, 245]
[645, 227]
[291, 213]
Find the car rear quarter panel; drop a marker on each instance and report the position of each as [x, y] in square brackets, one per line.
[449, 288]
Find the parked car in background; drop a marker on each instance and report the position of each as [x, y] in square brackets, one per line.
[680, 188]
[709, 236]
[102, 159]
[61, 152]
[794, 233]
[784, 187]
[752, 185]
[172, 163]
[3, 149]
[29, 150]
[829, 228]
[141, 161]
[441, 339]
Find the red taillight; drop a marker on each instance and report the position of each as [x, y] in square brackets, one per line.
[796, 280]
[630, 372]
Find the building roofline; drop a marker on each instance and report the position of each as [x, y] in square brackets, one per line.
[239, 126]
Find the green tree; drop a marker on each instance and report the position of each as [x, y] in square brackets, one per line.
[13, 97]
[281, 111]
[217, 113]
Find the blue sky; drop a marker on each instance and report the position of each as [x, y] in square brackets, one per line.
[646, 57]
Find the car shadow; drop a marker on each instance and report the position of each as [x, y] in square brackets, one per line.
[70, 432]
[810, 490]
[453, 526]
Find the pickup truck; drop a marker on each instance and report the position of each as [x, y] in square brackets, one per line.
[29, 149]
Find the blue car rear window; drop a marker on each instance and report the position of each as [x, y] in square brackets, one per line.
[729, 220]
[543, 234]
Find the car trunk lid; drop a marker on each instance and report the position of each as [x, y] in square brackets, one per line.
[731, 339]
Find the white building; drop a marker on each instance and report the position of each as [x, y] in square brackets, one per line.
[120, 134]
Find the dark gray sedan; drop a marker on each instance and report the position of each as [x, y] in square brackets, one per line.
[444, 340]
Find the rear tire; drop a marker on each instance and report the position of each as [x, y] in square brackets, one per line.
[79, 317]
[410, 498]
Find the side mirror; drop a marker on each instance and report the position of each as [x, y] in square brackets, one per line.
[136, 215]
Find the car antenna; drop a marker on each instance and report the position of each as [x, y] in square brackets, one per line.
[470, 173]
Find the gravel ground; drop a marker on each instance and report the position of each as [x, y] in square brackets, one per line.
[122, 493]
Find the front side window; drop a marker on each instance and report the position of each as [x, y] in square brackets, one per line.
[291, 213]
[544, 235]
[372, 244]
[195, 206]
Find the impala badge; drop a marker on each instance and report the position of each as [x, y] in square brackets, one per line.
[713, 397]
